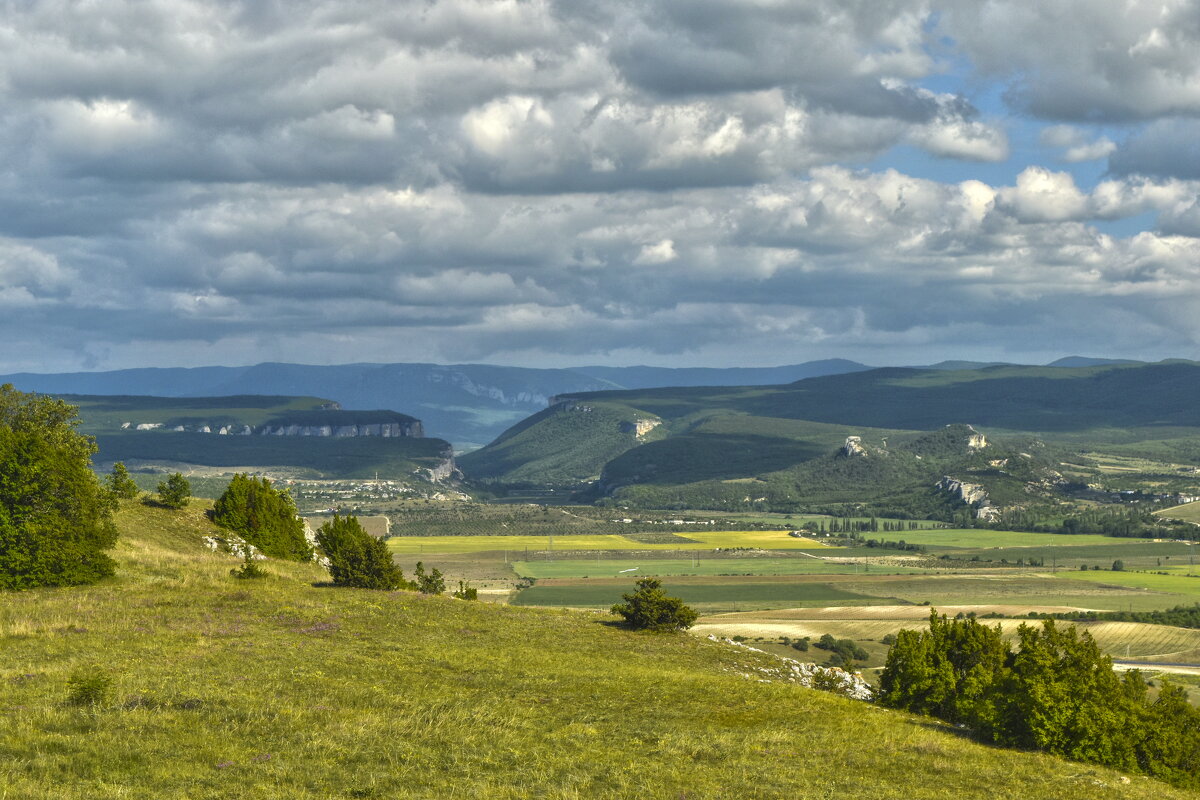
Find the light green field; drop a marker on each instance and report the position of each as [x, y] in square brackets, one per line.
[713, 595]
[1033, 589]
[584, 568]
[974, 538]
[1188, 512]
[1178, 583]
[707, 540]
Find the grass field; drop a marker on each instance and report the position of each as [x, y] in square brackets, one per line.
[1178, 583]
[978, 538]
[584, 568]
[708, 595]
[279, 688]
[1188, 512]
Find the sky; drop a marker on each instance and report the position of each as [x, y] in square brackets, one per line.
[671, 182]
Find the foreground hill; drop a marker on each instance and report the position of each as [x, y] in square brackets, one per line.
[787, 437]
[281, 689]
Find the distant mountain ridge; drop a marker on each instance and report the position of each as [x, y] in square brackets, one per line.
[466, 404]
[731, 447]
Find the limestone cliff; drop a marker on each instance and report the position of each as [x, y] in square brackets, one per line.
[973, 494]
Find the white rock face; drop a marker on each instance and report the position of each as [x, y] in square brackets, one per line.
[972, 494]
[976, 440]
[853, 447]
[811, 676]
[640, 427]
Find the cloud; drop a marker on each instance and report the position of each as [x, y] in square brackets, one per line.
[1167, 148]
[190, 181]
[1085, 60]
[1075, 144]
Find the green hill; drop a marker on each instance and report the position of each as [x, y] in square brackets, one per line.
[220, 688]
[727, 446]
[566, 444]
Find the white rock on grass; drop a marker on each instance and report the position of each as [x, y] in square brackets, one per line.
[808, 675]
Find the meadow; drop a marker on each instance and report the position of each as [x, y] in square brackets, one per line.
[209, 687]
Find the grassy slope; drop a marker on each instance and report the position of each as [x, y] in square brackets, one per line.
[275, 689]
[563, 444]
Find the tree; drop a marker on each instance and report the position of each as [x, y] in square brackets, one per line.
[1062, 696]
[951, 671]
[356, 558]
[174, 492]
[120, 484]
[264, 516]
[649, 608]
[55, 515]
[433, 583]
[1118, 566]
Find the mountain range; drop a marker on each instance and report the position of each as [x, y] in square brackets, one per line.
[467, 404]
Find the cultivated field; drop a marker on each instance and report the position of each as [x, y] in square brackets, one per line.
[1132, 641]
[587, 568]
[689, 540]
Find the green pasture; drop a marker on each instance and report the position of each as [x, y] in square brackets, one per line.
[1073, 588]
[597, 568]
[1177, 582]
[1134, 552]
[729, 594]
[1188, 512]
[979, 538]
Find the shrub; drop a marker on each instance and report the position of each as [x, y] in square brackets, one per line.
[649, 608]
[88, 686]
[120, 484]
[249, 570]
[466, 592]
[263, 516]
[55, 516]
[174, 492]
[433, 583]
[356, 558]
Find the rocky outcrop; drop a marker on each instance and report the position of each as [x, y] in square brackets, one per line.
[975, 439]
[333, 424]
[383, 429]
[972, 494]
[640, 427]
[853, 447]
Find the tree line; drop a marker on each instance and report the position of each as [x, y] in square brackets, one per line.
[1056, 692]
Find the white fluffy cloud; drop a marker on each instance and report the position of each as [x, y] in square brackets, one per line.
[202, 181]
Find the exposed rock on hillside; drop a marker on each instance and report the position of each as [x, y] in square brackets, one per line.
[973, 494]
[853, 447]
[640, 427]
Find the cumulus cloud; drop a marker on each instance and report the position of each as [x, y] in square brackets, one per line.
[1085, 60]
[193, 181]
